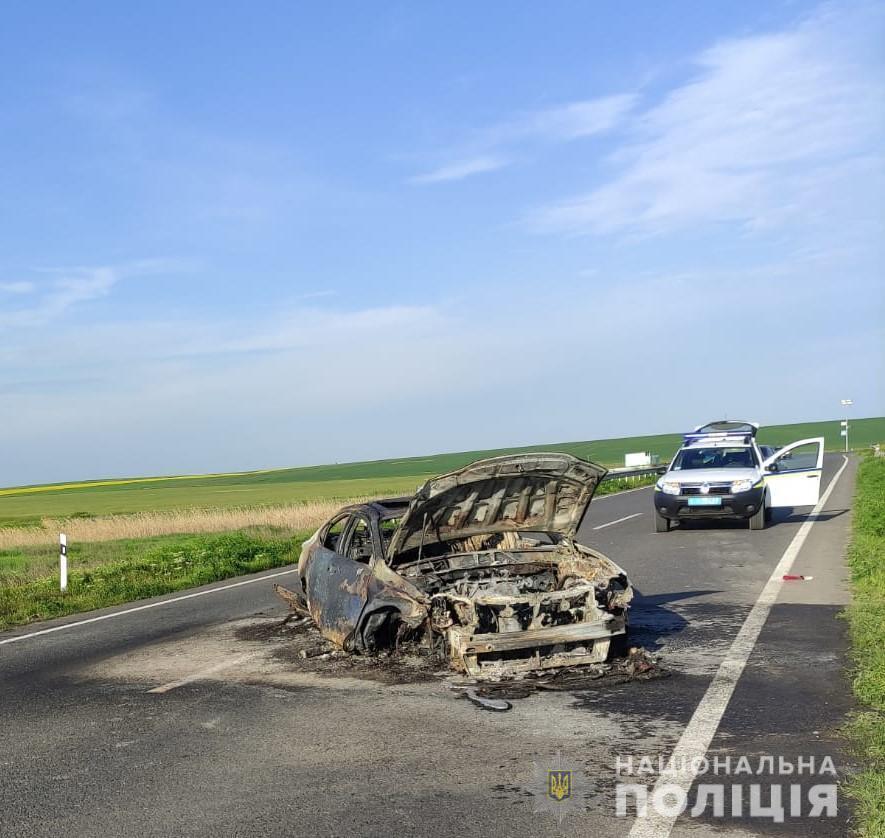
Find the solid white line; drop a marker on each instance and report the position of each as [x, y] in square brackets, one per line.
[144, 607]
[697, 736]
[203, 673]
[618, 520]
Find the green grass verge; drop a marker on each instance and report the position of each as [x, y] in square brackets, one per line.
[349, 480]
[611, 487]
[867, 621]
[111, 573]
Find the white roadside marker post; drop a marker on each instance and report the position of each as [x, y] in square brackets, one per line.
[844, 431]
[63, 560]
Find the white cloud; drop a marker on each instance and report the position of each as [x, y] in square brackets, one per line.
[570, 121]
[492, 150]
[462, 169]
[764, 119]
[54, 298]
[67, 288]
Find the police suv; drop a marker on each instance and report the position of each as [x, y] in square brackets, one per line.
[720, 472]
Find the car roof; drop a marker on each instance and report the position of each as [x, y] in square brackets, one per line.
[391, 507]
[383, 508]
[722, 432]
[728, 426]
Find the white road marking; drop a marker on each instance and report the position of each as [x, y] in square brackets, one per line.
[697, 736]
[618, 520]
[144, 607]
[204, 673]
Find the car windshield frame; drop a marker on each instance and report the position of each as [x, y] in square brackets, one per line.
[708, 457]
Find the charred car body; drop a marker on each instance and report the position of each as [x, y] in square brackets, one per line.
[481, 564]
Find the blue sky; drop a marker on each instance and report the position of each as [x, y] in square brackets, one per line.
[257, 235]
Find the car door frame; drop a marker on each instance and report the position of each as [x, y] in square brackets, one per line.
[337, 587]
[792, 488]
[373, 538]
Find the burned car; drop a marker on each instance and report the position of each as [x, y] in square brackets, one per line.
[481, 565]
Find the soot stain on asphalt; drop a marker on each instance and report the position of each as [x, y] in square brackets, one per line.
[274, 629]
[644, 714]
[301, 647]
[653, 623]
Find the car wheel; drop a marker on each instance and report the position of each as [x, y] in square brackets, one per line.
[757, 519]
[768, 514]
[662, 524]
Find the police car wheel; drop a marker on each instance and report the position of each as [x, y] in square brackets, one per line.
[757, 519]
[662, 524]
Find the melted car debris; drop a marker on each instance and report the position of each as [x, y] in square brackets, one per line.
[496, 705]
[638, 665]
[302, 647]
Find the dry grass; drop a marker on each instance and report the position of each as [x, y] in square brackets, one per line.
[296, 518]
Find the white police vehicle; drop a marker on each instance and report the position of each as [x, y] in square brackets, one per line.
[720, 472]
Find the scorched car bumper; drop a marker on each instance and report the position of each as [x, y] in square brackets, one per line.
[529, 650]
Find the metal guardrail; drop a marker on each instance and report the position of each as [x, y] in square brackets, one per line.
[641, 471]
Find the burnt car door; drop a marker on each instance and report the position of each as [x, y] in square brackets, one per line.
[337, 578]
[353, 596]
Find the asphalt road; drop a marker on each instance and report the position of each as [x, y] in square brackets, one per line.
[242, 739]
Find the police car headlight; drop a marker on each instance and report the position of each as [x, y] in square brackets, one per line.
[669, 487]
[741, 486]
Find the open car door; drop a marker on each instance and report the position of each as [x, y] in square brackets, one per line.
[793, 474]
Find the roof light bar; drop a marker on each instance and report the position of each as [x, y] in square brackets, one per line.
[741, 437]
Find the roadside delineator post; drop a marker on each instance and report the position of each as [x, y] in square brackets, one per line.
[63, 560]
[846, 403]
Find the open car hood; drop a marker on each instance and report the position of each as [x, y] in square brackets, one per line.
[546, 493]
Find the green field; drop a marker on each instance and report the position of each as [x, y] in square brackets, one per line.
[348, 480]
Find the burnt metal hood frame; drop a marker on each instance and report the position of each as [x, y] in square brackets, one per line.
[539, 492]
